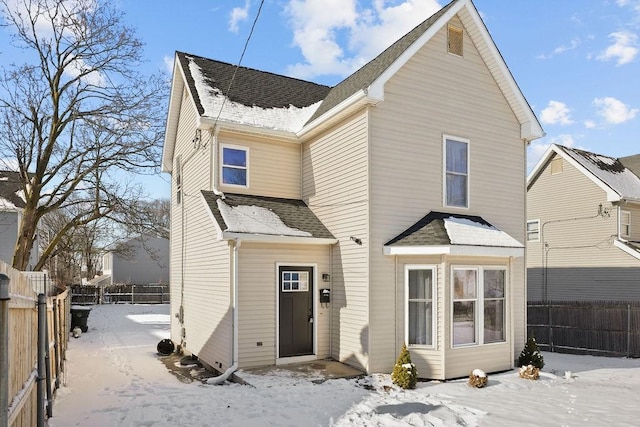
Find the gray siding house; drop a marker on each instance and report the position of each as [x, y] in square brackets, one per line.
[138, 261]
[583, 227]
[11, 207]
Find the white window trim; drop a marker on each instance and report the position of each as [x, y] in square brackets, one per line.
[446, 137]
[222, 165]
[479, 312]
[434, 298]
[531, 221]
[622, 225]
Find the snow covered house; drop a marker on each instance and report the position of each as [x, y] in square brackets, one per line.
[11, 206]
[312, 222]
[583, 227]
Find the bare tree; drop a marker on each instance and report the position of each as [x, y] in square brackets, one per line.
[80, 119]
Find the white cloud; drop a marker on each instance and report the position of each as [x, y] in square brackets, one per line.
[78, 66]
[556, 113]
[335, 37]
[624, 49]
[589, 124]
[574, 43]
[237, 15]
[614, 111]
[168, 60]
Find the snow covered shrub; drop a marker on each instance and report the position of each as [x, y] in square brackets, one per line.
[404, 374]
[478, 378]
[529, 372]
[531, 355]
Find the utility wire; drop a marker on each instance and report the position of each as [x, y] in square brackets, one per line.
[233, 76]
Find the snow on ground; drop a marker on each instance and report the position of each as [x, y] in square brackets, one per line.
[114, 377]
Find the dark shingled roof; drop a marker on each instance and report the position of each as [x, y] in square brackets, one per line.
[267, 90]
[430, 230]
[632, 163]
[10, 184]
[366, 75]
[252, 87]
[293, 213]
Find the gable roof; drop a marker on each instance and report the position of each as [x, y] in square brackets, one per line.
[10, 190]
[300, 107]
[609, 173]
[446, 233]
[265, 218]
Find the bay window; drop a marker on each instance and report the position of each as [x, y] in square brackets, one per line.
[420, 305]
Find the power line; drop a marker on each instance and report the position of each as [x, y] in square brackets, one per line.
[233, 76]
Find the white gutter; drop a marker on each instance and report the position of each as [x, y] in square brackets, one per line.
[230, 235]
[234, 301]
[214, 161]
[455, 250]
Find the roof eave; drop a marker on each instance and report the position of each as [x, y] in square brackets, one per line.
[173, 116]
[269, 238]
[206, 123]
[621, 245]
[469, 250]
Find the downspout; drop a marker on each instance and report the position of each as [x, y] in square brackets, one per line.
[234, 302]
[213, 170]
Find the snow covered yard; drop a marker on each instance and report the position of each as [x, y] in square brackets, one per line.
[115, 378]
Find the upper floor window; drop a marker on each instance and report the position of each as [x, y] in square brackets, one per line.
[235, 165]
[456, 180]
[533, 230]
[625, 224]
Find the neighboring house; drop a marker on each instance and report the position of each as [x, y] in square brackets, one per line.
[312, 222]
[138, 261]
[583, 227]
[11, 207]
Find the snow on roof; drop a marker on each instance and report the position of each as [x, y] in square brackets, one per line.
[7, 205]
[255, 220]
[609, 170]
[463, 231]
[289, 119]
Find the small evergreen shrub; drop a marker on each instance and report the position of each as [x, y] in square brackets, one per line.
[405, 374]
[530, 354]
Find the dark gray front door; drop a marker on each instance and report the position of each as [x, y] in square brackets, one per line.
[296, 310]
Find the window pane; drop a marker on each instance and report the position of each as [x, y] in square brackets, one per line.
[456, 190]
[420, 323]
[494, 283]
[456, 156]
[420, 284]
[493, 321]
[233, 157]
[464, 329]
[464, 284]
[234, 176]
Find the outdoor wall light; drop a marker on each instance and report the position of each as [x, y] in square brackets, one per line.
[356, 240]
[326, 277]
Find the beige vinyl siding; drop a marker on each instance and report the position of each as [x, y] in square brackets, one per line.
[438, 94]
[200, 271]
[335, 185]
[581, 260]
[258, 293]
[274, 166]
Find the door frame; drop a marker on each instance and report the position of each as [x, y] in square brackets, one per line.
[314, 296]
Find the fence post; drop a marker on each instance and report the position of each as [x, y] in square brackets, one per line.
[628, 330]
[42, 318]
[4, 350]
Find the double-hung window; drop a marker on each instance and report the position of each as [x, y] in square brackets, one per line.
[235, 165]
[625, 224]
[456, 179]
[420, 305]
[479, 305]
[533, 230]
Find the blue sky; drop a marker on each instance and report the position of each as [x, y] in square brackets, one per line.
[576, 61]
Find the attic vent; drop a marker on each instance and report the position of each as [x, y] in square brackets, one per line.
[455, 40]
[556, 166]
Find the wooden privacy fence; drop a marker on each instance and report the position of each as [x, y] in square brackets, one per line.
[25, 376]
[109, 294]
[605, 328]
